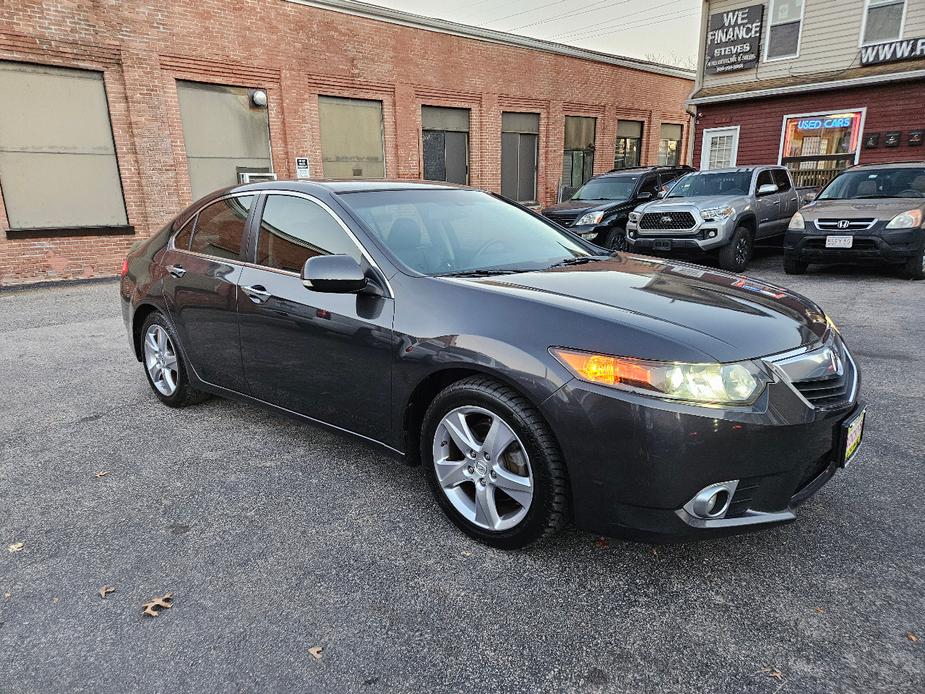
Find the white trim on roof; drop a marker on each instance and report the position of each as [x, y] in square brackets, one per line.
[810, 87]
[443, 26]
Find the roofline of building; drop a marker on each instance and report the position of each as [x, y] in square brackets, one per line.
[809, 87]
[443, 26]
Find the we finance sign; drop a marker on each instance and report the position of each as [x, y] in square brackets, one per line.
[734, 39]
[890, 52]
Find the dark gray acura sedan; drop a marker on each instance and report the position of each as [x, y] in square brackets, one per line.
[537, 379]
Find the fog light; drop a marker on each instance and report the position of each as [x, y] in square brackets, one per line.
[711, 234]
[712, 501]
[632, 234]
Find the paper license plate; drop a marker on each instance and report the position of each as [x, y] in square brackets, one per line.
[839, 241]
[854, 431]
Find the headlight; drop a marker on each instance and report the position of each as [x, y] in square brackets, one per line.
[797, 223]
[710, 384]
[906, 220]
[635, 216]
[717, 213]
[590, 218]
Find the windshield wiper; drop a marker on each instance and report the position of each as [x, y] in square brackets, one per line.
[578, 261]
[482, 272]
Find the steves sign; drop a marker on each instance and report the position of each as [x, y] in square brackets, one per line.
[734, 39]
[904, 49]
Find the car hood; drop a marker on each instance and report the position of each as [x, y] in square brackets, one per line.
[576, 207]
[700, 202]
[723, 316]
[883, 208]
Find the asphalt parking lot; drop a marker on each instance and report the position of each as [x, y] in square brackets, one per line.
[275, 537]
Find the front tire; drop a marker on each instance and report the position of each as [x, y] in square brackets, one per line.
[493, 465]
[914, 268]
[164, 363]
[792, 266]
[735, 256]
[616, 240]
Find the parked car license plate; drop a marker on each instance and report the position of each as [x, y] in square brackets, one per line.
[854, 432]
[839, 241]
[662, 244]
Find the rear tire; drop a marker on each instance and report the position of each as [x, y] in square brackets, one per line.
[734, 256]
[527, 463]
[792, 266]
[914, 268]
[165, 367]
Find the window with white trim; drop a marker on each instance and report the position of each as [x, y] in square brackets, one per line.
[883, 20]
[784, 29]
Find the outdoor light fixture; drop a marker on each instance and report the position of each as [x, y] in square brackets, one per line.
[259, 97]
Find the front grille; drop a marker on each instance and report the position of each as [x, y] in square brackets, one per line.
[845, 224]
[562, 220]
[831, 392]
[667, 220]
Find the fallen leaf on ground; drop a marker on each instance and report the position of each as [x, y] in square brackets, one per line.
[819, 610]
[15, 547]
[654, 552]
[8, 595]
[105, 590]
[601, 543]
[102, 473]
[912, 637]
[315, 652]
[151, 607]
[55, 600]
[466, 554]
[773, 672]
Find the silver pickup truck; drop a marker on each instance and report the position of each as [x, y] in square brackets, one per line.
[722, 210]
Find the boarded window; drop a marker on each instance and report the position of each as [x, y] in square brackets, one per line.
[57, 159]
[224, 132]
[351, 138]
[519, 149]
[669, 144]
[629, 144]
[578, 155]
[445, 140]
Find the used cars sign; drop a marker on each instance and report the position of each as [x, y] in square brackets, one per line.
[734, 39]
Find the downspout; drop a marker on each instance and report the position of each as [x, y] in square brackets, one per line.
[698, 80]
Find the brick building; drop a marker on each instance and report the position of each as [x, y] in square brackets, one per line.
[116, 115]
[813, 84]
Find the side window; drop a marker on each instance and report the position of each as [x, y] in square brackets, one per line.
[782, 180]
[667, 178]
[181, 240]
[293, 230]
[219, 228]
[649, 185]
[763, 179]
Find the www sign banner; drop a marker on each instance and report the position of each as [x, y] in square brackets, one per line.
[906, 49]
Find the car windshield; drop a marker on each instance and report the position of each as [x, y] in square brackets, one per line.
[609, 188]
[445, 232]
[899, 182]
[712, 183]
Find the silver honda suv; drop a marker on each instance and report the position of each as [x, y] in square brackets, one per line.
[723, 210]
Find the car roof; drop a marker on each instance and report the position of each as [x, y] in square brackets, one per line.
[888, 165]
[347, 185]
[637, 170]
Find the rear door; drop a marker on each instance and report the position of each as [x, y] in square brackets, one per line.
[768, 206]
[327, 356]
[204, 264]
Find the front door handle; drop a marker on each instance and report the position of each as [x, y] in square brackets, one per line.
[176, 270]
[257, 293]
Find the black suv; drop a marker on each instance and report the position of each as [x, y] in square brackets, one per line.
[598, 211]
[868, 213]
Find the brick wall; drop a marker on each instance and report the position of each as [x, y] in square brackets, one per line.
[297, 53]
[898, 106]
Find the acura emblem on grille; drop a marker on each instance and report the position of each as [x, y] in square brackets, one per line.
[843, 224]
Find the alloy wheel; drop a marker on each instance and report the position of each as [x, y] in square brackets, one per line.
[483, 468]
[161, 360]
[742, 250]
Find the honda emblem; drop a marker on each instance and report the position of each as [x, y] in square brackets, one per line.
[843, 223]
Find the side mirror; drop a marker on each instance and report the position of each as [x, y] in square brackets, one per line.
[808, 197]
[661, 194]
[767, 189]
[644, 195]
[338, 274]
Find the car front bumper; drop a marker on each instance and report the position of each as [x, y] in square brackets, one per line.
[705, 236]
[889, 246]
[635, 462]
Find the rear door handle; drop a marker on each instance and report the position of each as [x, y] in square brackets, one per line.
[257, 293]
[176, 270]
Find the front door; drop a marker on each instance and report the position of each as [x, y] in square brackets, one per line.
[789, 199]
[768, 207]
[201, 289]
[327, 356]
